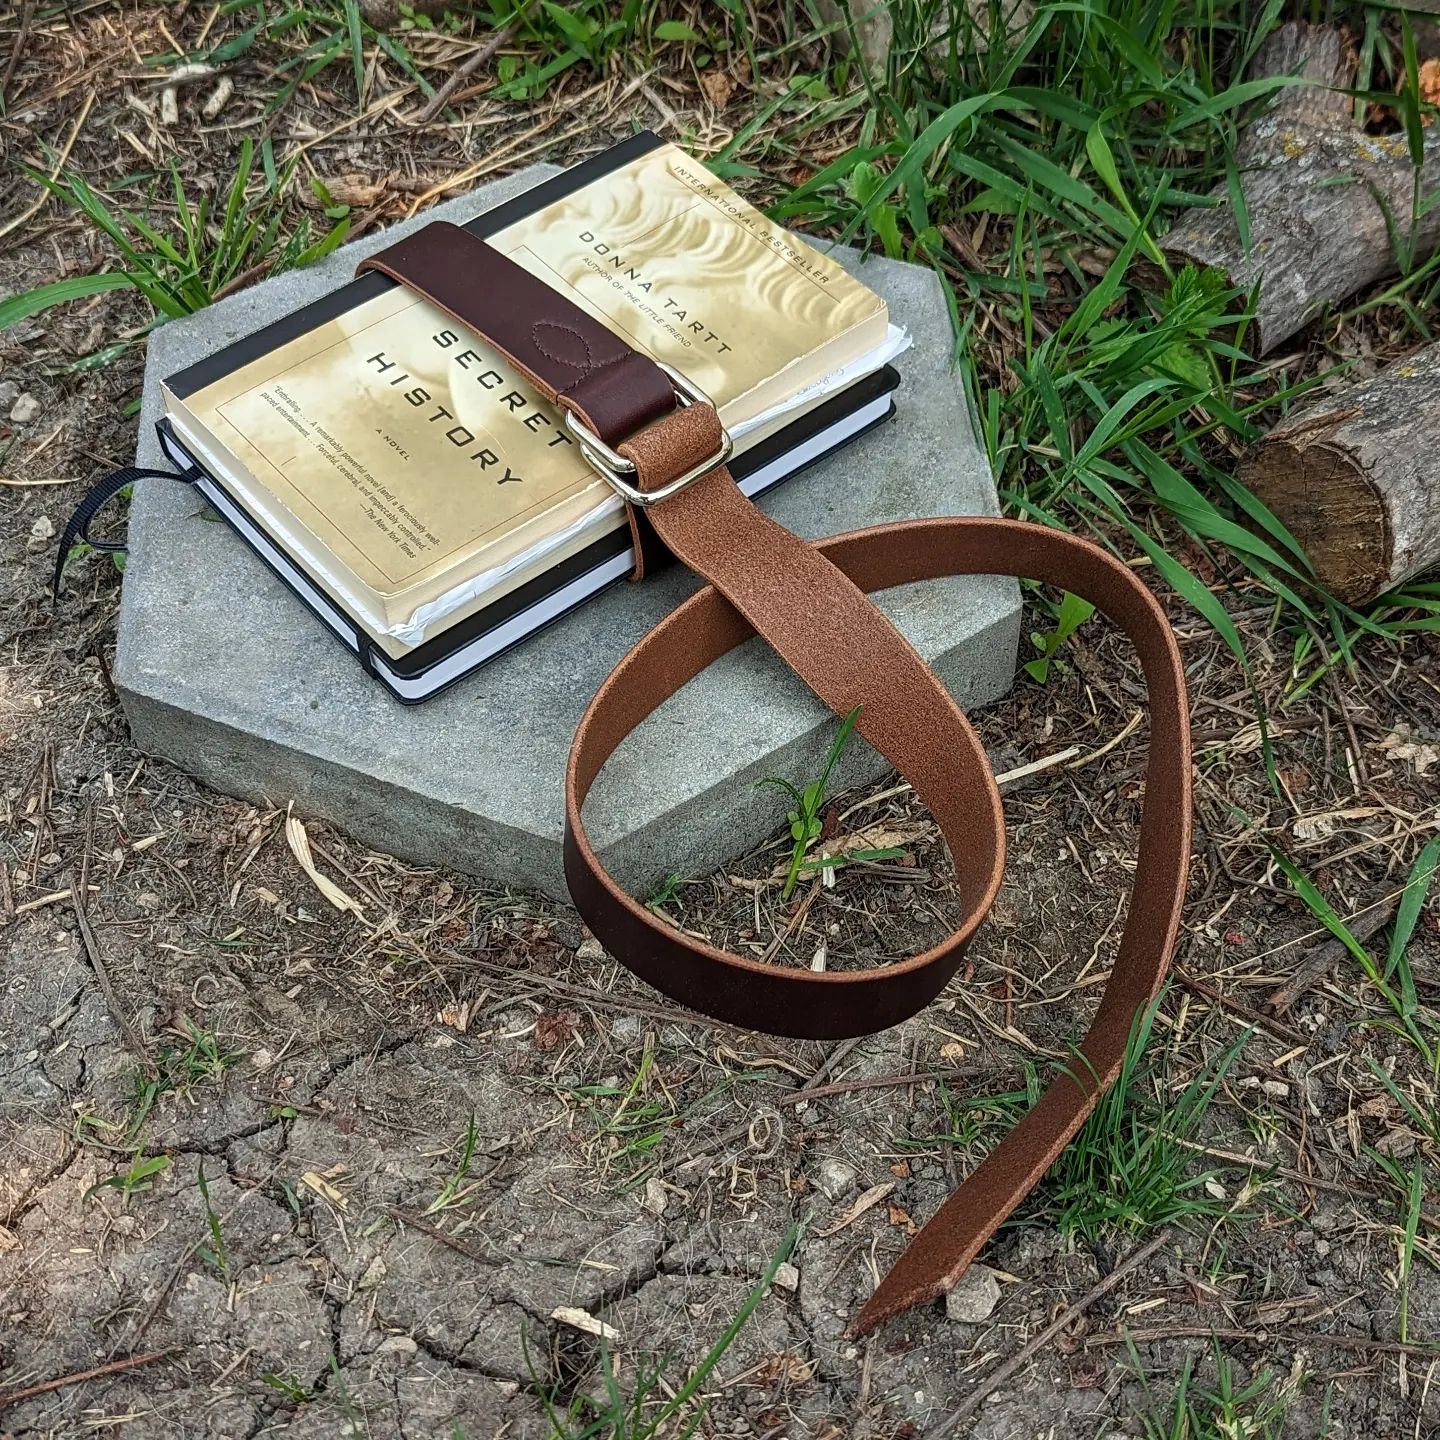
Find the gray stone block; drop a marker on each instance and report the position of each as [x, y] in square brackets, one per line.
[223, 672]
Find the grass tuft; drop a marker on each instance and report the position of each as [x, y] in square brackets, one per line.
[185, 252]
[1033, 165]
[214, 1253]
[1394, 982]
[178, 1070]
[1230, 1408]
[1130, 1169]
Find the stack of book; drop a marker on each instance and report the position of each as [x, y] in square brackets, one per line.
[426, 503]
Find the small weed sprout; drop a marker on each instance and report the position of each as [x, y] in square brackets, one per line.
[1228, 1410]
[668, 892]
[654, 1408]
[178, 1070]
[1071, 614]
[452, 1193]
[805, 819]
[290, 1386]
[135, 1179]
[214, 1253]
[966, 1122]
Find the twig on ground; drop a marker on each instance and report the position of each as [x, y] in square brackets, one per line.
[461, 1247]
[334, 860]
[874, 1082]
[1018, 1360]
[157, 1304]
[153, 1309]
[40, 901]
[87, 845]
[627, 1004]
[1298, 1177]
[867, 1201]
[507, 156]
[794, 922]
[107, 678]
[246, 278]
[1008, 779]
[833, 1057]
[97, 963]
[441, 98]
[1069, 759]
[1279, 1332]
[1255, 1017]
[1120, 736]
[27, 15]
[802, 1097]
[64, 159]
[131, 1362]
[1369, 923]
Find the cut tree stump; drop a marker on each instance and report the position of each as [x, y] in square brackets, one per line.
[1356, 478]
[1321, 196]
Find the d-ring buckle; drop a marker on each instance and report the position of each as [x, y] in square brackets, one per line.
[614, 467]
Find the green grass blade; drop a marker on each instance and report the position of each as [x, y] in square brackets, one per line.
[357, 45]
[60, 292]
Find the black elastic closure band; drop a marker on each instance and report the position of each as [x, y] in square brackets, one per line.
[99, 495]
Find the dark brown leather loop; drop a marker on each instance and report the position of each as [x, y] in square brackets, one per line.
[798, 1002]
[809, 602]
[569, 357]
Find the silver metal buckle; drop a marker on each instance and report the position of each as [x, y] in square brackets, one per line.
[614, 467]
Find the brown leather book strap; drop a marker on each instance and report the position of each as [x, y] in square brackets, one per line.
[573, 360]
[809, 603]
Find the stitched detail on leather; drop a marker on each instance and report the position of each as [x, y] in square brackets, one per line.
[603, 365]
[587, 368]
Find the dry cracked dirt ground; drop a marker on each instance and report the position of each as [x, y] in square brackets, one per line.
[341, 1175]
[337, 1175]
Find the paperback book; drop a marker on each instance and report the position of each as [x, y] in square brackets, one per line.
[431, 507]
